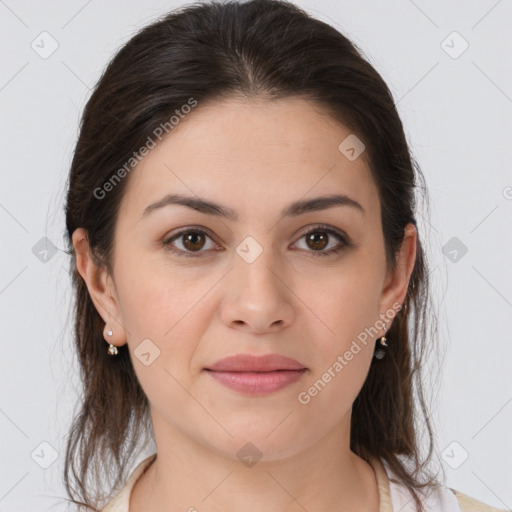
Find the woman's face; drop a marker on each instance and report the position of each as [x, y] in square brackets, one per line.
[255, 284]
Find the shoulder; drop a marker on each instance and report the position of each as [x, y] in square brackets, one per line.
[121, 501]
[394, 496]
[469, 504]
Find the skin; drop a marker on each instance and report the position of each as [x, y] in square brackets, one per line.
[256, 157]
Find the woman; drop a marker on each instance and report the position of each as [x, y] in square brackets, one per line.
[241, 219]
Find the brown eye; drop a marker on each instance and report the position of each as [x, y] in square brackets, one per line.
[192, 241]
[317, 240]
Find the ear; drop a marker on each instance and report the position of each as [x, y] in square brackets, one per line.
[101, 288]
[397, 279]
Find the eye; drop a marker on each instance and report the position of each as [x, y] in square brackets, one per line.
[317, 238]
[192, 241]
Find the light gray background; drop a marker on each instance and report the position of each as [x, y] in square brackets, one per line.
[457, 114]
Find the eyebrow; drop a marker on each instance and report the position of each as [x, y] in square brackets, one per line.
[293, 210]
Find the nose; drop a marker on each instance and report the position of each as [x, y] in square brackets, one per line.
[258, 297]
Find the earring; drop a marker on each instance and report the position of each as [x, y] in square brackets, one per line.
[379, 351]
[112, 349]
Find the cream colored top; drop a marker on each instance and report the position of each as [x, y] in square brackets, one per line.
[392, 497]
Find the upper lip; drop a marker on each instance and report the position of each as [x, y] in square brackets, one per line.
[250, 363]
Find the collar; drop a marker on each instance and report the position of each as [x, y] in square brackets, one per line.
[394, 495]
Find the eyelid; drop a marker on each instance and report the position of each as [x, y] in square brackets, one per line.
[328, 228]
[188, 229]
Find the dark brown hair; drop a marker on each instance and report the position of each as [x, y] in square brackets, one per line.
[211, 51]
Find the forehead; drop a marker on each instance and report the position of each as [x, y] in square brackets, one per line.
[252, 155]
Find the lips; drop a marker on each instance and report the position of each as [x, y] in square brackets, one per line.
[256, 375]
[250, 363]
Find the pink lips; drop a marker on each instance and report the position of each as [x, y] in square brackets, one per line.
[256, 375]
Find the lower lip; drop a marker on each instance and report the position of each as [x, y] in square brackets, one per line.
[257, 383]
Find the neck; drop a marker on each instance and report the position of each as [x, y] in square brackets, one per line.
[191, 476]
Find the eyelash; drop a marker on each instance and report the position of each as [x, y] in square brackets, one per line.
[191, 254]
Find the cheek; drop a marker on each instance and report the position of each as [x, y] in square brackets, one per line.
[343, 361]
[169, 306]
[161, 314]
[348, 304]
[345, 336]
[155, 300]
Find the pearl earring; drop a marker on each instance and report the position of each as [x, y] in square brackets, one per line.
[112, 349]
[379, 351]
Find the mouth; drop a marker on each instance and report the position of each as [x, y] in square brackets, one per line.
[257, 382]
